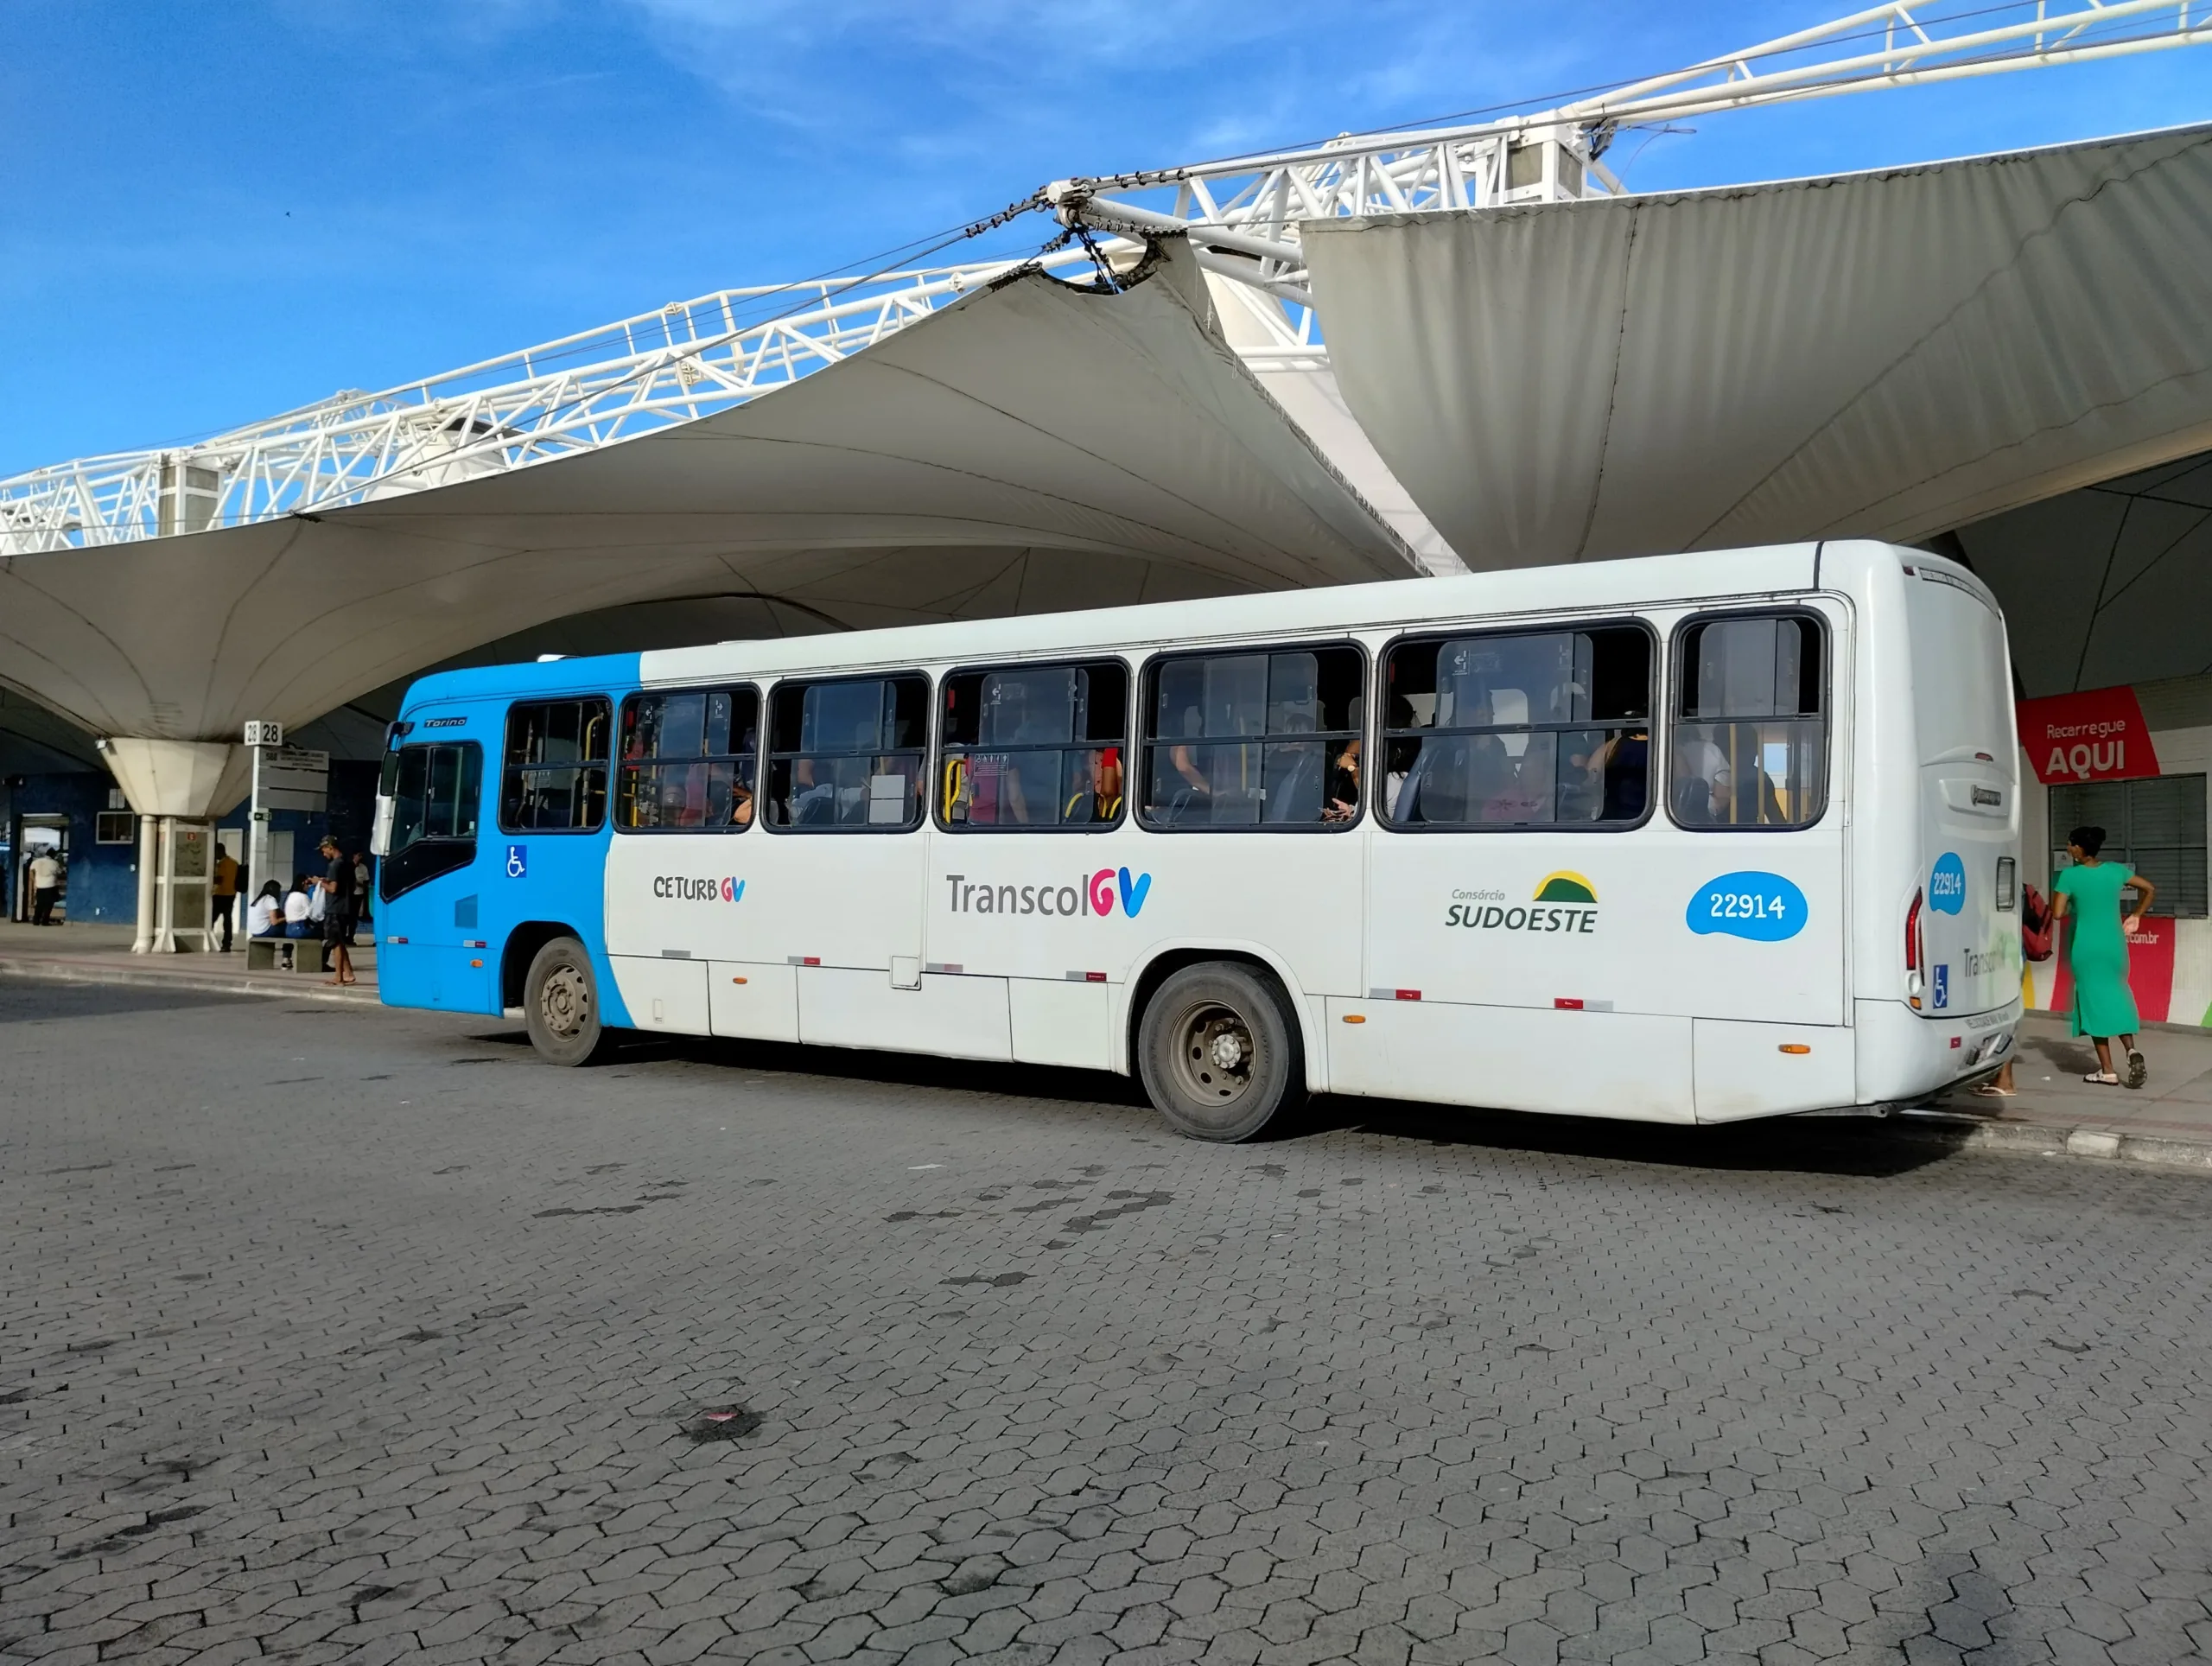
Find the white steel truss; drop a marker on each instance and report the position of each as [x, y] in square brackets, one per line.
[1244, 212]
[691, 359]
[686, 361]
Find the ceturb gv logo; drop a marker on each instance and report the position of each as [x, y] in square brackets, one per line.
[1091, 893]
[683, 887]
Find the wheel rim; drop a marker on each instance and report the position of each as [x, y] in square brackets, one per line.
[1213, 1055]
[564, 1002]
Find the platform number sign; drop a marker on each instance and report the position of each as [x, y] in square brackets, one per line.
[518, 861]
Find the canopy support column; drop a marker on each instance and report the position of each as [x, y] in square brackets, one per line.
[177, 787]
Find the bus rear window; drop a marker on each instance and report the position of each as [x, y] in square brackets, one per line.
[1749, 744]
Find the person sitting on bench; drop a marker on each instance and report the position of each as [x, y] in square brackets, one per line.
[298, 908]
[265, 918]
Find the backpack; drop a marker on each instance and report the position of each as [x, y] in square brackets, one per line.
[2034, 925]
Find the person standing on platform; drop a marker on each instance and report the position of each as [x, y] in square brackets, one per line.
[360, 895]
[2094, 892]
[225, 892]
[45, 886]
[337, 913]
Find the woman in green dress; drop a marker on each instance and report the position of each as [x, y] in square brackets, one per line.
[2094, 892]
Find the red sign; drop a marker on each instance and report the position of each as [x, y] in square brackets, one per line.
[2097, 735]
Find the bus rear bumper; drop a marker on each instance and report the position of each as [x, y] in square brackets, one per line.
[1904, 1055]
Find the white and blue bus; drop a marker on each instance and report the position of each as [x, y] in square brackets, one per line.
[1688, 839]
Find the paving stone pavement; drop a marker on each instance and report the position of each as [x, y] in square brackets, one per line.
[333, 1334]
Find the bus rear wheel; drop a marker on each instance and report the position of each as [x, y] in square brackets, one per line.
[1218, 1051]
[560, 1002]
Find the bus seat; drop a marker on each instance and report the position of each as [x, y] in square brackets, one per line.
[1297, 796]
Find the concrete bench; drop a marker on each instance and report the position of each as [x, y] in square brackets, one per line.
[285, 955]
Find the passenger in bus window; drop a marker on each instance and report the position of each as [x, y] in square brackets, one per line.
[1704, 784]
[1098, 799]
[809, 803]
[1184, 758]
[1624, 764]
[1344, 779]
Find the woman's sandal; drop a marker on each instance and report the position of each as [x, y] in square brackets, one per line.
[2137, 1072]
[2103, 1078]
[1991, 1091]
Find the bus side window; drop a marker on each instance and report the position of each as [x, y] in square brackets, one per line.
[1750, 728]
[848, 755]
[1548, 729]
[687, 760]
[435, 794]
[1253, 740]
[1033, 747]
[554, 775]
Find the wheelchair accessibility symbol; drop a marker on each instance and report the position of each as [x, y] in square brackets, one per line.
[518, 861]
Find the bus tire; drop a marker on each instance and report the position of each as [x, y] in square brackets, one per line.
[560, 1003]
[1219, 1052]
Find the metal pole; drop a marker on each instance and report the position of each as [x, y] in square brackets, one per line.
[257, 841]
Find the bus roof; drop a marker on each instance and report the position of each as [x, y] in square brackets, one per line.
[1702, 575]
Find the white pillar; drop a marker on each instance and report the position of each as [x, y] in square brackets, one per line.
[149, 852]
[177, 787]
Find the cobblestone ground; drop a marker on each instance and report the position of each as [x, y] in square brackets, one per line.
[328, 1334]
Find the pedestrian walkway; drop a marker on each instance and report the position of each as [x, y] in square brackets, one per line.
[2169, 1120]
[101, 954]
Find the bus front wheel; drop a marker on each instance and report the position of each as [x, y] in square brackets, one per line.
[561, 1004]
[1218, 1050]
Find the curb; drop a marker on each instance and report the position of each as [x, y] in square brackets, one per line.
[127, 976]
[2025, 1139]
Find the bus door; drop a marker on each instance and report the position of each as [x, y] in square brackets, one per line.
[429, 912]
[839, 891]
[1025, 941]
[1744, 872]
[1249, 790]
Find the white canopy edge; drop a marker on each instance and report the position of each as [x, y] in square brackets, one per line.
[1034, 446]
[1887, 354]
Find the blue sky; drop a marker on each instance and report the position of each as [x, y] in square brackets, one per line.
[220, 209]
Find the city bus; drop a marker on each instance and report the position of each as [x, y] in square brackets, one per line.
[1692, 838]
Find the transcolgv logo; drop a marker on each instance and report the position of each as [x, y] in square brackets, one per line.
[1091, 893]
[1573, 907]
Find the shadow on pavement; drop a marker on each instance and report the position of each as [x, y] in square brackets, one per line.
[856, 1064]
[1839, 1145]
[27, 1001]
[1806, 1145]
